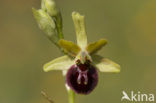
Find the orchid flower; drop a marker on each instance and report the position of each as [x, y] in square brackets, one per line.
[80, 64]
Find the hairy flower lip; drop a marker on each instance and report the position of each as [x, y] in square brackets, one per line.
[82, 78]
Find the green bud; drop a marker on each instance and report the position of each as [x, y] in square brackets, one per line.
[43, 5]
[46, 24]
[51, 7]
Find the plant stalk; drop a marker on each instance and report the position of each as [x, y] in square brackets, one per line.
[71, 96]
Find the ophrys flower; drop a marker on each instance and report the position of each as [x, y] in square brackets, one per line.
[81, 63]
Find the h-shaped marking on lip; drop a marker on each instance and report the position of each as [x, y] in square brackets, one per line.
[82, 74]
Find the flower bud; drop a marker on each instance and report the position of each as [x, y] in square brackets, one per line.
[51, 7]
[46, 23]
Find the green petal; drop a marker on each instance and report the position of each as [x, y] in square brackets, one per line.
[94, 47]
[105, 65]
[80, 29]
[69, 47]
[61, 63]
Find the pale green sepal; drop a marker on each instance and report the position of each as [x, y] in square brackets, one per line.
[46, 24]
[105, 65]
[94, 47]
[80, 29]
[61, 63]
[69, 47]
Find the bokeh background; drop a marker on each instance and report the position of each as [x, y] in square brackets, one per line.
[128, 25]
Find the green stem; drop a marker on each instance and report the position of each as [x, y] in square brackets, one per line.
[58, 21]
[71, 96]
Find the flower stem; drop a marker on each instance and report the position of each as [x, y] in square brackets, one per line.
[58, 18]
[71, 96]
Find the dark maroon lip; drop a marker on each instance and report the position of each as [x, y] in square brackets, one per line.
[82, 78]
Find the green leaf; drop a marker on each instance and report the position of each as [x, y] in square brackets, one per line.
[61, 63]
[105, 65]
[80, 29]
[46, 24]
[94, 47]
[69, 47]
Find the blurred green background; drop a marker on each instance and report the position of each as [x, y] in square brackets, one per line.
[128, 25]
